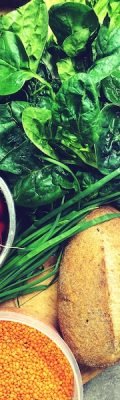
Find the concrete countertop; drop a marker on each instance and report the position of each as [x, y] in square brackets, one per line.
[104, 387]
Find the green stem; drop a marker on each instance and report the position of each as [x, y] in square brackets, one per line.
[45, 83]
[76, 229]
[15, 274]
[37, 281]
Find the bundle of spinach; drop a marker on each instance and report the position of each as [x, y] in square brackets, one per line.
[59, 127]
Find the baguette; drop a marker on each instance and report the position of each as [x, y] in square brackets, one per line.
[89, 293]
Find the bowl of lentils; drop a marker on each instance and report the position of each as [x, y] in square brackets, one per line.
[35, 361]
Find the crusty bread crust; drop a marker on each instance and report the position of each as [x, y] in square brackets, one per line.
[86, 299]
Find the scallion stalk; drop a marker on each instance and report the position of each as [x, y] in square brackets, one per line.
[37, 244]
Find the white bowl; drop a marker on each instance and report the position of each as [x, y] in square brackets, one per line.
[12, 220]
[14, 316]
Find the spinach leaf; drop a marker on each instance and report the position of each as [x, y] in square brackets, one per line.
[107, 48]
[105, 67]
[72, 144]
[42, 187]
[74, 43]
[73, 24]
[17, 108]
[16, 152]
[37, 128]
[108, 141]
[111, 87]
[30, 23]
[74, 113]
[105, 8]
[107, 41]
[65, 69]
[101, 9]
[14, 64]
[114, 13]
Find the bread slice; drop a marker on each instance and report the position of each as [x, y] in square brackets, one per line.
[89, 293]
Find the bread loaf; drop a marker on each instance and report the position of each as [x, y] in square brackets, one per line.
[89, 293]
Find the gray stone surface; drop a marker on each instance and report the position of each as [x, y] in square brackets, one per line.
[104, 387]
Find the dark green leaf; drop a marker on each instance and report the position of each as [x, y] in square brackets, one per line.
[72, 24]
[42, 187]
[108, 141]
[16, 152]
[111, 87]
[74, 112]
[36, 125]
[107, 41]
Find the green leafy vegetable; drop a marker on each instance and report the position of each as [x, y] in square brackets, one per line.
[14, 64]
[42, 187]
[105, 67]
[101, 9]
[108, 143]
[15, 149]
[70, 24]
[76, 42]
[74, 112]
[107, 41]
[111, 87]
[29, 21]
[114, 13]
[65, 69]
[36, 125]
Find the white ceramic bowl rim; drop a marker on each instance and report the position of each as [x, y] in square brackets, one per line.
[12, 220]
[53, 335]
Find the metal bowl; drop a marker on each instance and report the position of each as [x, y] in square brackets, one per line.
[12, 220]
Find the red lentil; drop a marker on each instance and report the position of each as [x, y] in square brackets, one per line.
[32, 367]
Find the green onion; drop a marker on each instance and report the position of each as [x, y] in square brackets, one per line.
[37, 244]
